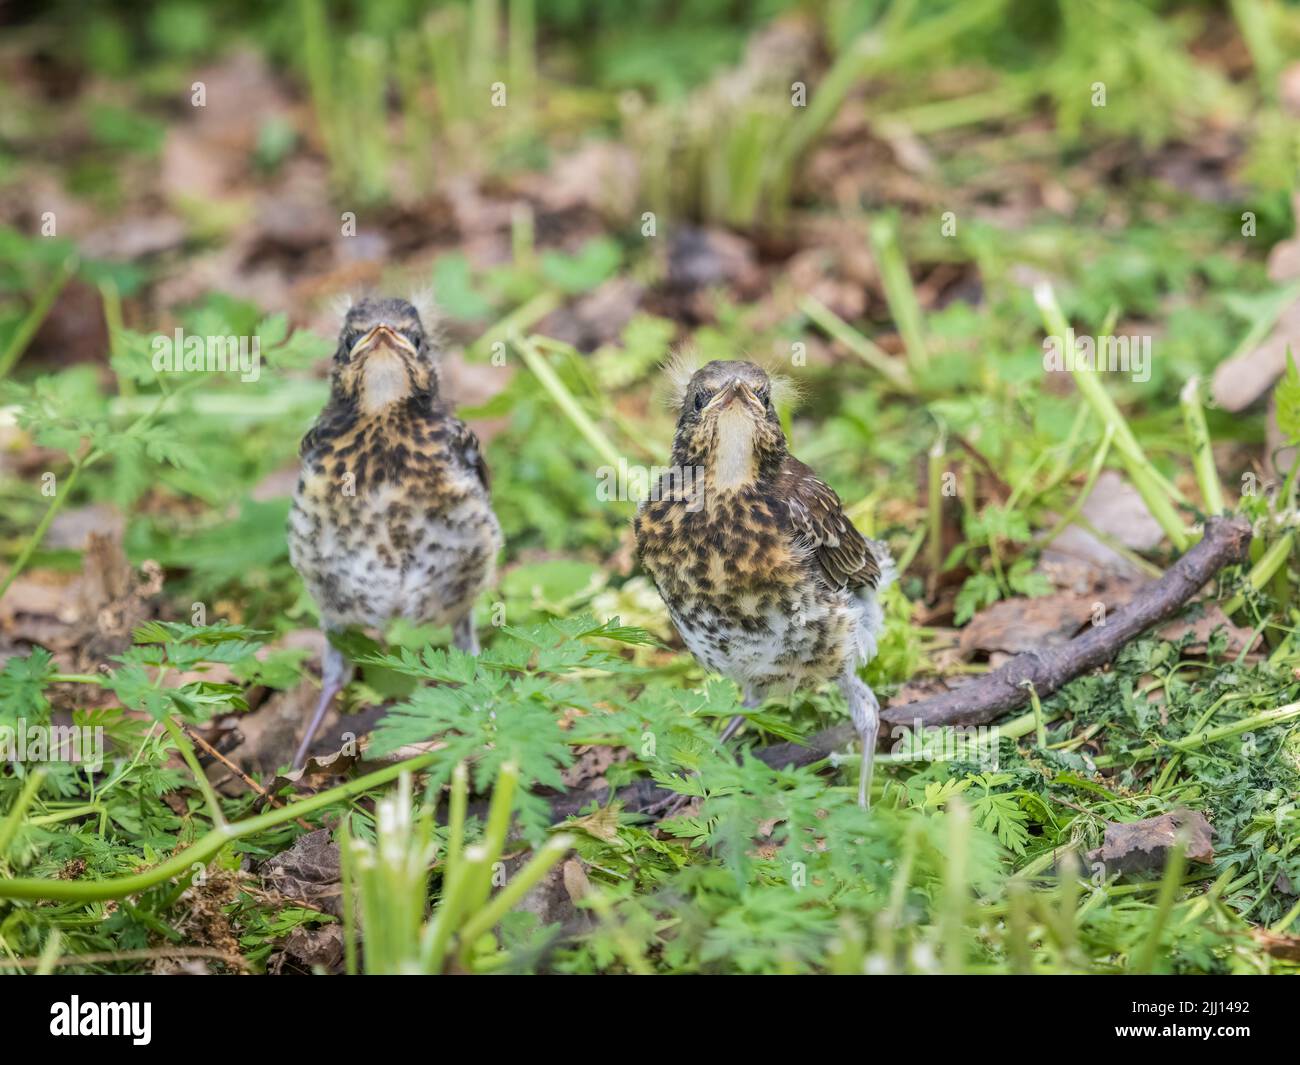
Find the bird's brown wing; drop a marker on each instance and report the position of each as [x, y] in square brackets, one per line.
[844, 557]
[466, 445]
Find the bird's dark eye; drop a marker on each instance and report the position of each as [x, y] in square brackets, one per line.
[700, 399]
[766, 397]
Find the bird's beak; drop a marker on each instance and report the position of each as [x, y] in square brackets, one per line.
[735, 391]
[382, 337]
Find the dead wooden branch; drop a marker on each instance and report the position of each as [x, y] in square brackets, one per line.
[985, 699]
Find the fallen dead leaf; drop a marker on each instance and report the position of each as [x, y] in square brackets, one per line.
[1277, 946]
[71, 529]
[703, 257]
[1021, 624]
[318, 768]
[603, 824]
[1114, 507]
[1142, 846]
[596, 318]
[311, 947]
[1240, 381]
[269, 735]
[600, 176]
[588, 770]
[308, 872]
[1079, 559]
[1202, 628]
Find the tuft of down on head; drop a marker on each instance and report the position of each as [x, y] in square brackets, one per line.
[426, 306]
[683, 366]
[340, 304]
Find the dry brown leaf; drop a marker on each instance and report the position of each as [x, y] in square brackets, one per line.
[1239, 382]
[1115, 507]
[1278, 946]
[1021, 624]
[1203, 627]
[321, 946]
[318, 768]
[588, 769]
[308, 873]
[603, 824]
[1142, 846]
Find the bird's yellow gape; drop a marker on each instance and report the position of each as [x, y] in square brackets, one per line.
[382, 336]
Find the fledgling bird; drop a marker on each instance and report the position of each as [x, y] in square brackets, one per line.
[392, 516]
[764, 577]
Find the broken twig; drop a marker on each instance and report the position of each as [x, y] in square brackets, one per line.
[993, 694]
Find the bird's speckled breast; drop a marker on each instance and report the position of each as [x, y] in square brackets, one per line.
[389, 521]
[744, 597]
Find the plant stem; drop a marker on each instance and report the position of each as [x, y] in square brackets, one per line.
[455, 891]
[1145, 955]
[523, 317]
[838, 329]
[200, 777]
[206, 847]
[940, 115]
[563, 398]
[348, 878]
[456, 815]
[494, 834]
[1262, 571]
[1196, 741]
[899, 292]
[1198, 435]
[955, 887]
[14, 818]
[1040, 728]
[36, 315]
[487, 916]
[42, 527]
[1157, 492]
[1094, 471]
[521, 53]
[934, 542]
[868, 54]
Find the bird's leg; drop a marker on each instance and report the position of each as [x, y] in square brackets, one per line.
[464, 635]
[668, 807]
[865, 711]
[750, 702]
[335, 672]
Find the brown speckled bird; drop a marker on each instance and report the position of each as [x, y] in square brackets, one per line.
[391, 517]
[765, 578]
